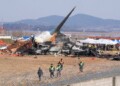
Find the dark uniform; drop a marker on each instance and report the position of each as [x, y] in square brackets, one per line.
[40, 73]
[51, 70]
[81, 65]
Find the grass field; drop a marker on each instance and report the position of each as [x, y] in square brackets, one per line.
[22, 71]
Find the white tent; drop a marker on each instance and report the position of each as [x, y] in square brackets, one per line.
[88, 40]
[117, 41]
[100, 41]
[106, 41]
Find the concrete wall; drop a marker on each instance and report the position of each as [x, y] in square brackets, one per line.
[100, 82]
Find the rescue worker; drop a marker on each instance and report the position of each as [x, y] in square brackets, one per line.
[81, 65]
[58, 68]
[61, 63]
[40, 73]
[51, 70]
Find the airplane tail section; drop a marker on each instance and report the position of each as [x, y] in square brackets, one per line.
[57, 30]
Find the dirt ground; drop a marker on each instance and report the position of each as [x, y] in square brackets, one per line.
[22, 71]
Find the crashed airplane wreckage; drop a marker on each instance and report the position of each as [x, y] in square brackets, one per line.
[39, 43]
[103, 47]
[55, 42]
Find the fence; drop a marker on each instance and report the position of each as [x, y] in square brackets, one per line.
[111, 81]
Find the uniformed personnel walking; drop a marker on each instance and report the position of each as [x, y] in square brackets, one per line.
[40, 73]
[81, 65]
[51, 70]
[58, 69]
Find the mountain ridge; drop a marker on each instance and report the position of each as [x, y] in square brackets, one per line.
[74, 23]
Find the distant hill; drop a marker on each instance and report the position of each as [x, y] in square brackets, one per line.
[77, 22]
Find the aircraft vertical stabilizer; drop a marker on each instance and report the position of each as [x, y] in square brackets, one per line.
[57, 30]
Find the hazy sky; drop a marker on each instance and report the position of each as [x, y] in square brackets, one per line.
[14, 10]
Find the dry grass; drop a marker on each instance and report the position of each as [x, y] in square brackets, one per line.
[14, 70]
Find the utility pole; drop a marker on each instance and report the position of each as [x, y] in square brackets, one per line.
[114, 81]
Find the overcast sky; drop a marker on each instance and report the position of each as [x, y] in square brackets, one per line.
[14, 10]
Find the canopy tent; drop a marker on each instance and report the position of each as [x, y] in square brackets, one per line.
[118, 41]
[106, 41]
[99, 41]
[88, 40]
